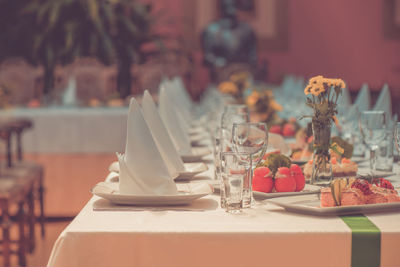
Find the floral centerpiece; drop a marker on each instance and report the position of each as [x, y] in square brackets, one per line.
[322, 96]
[258, 98]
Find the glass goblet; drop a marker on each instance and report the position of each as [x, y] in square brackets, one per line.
[251, 138]
[373, 130]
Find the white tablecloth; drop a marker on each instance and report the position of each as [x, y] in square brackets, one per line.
[73, 130]
[263, 236]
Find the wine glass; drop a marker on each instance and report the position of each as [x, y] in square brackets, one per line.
[373, 130]
[232, 114]
[397, 137]
[251, 138]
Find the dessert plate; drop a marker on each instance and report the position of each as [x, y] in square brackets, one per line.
[310, 204]
[186, 194]
[191, 169]
[196, 154]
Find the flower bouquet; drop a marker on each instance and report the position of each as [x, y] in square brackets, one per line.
[322, 96]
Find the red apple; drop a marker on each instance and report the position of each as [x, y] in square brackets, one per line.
[289, 129]
[284, 181]
[262, 181]
[276, 129]
[298, 175]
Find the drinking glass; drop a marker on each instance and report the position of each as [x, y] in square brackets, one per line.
[251, 138]
[397, 137]
[217, 146]
[373, 130]
[233, 173]
[232, 114]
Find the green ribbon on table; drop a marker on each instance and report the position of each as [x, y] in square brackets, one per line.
[365, 241]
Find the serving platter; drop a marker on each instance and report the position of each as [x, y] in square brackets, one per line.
[310, 204]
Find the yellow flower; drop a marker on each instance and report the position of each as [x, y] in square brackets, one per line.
[307, 91]
[316, 80]
[252, 99]
[340, 83]
[317, 90]
[228, 88]
[275, 105]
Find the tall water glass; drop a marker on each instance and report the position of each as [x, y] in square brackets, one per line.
[217, 147]
[251, 138]
[397, 137]
[233, 173]
[373, 130]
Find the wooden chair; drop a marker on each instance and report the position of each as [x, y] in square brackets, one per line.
[30, 170]
[16, 189]
[28, 178]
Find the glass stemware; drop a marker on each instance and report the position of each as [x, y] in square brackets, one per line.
[397, 137]
[232, 114]
[251, 138]
[373, 130]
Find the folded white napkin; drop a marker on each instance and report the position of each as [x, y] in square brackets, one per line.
[176, 93]
[142, 168]
[160, 134]
[384, 101]
[176, 130]
[363, 100]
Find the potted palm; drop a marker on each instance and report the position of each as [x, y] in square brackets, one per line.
[50, 33]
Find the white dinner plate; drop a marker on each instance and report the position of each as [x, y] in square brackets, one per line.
[358, 159]
[196, 154]
[198, 138]
[308, 189]
[186, 194]
[377, 174]
[310, 204]
[299, 161]
[191, 169]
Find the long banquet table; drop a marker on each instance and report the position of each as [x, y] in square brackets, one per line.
[208, 236]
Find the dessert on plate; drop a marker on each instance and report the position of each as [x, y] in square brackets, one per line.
[346, 168]
[351, 192]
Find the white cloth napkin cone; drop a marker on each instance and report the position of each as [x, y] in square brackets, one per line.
[142, 168]
[160, 134]
[176, 130]
[384, 101]
[363, 100]
[176, 94]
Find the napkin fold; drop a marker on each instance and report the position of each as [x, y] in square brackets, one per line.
[160, 134]
[384, 101]
[363, 100]
[174, 125]
[142, 168]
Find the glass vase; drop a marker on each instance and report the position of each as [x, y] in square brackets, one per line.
[321, 169]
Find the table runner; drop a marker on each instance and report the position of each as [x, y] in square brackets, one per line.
[366, 241]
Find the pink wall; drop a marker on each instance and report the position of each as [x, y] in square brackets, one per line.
[339, 38]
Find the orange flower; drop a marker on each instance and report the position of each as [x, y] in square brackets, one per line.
[228, 88]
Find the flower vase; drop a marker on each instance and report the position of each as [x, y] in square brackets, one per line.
[321, 168]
